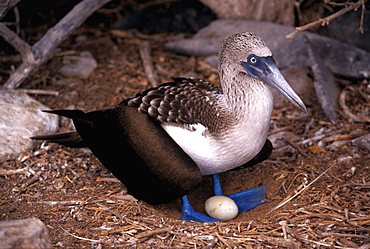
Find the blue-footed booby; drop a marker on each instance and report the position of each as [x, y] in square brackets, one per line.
[160, 142]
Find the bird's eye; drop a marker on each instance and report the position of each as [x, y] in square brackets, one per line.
[253, 59]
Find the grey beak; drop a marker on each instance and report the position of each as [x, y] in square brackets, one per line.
[266, 70]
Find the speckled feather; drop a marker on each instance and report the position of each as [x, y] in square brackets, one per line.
[182, 102]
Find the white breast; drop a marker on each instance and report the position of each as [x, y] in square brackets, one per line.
[216, 154]
[195, 143]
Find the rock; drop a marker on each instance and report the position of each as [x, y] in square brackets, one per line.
[196, 46]
[341, 58]
[300, 82]
[21, 118]
[212, 61]
[346, 28]
[78, 66]
[81, 38]
[262, 10]
[327, 91]
[363, 142]
[29, 233]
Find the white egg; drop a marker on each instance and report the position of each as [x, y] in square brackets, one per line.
[221, 208]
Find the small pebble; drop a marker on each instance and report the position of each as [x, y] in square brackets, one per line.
[79, 66]
[363, 142]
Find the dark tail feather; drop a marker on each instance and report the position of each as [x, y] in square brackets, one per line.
[73, 114]
[70, 139]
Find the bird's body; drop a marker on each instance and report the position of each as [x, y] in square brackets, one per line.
[205, 127]
[221, 149]
[175, 133]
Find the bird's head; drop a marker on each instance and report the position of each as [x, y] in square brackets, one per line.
[248, 55]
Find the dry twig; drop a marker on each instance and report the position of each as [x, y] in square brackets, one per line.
[153, 232]
[328, 19]
[4, 172]
[146, 58]
[39, 92]
[295, 146]
[31, 180]
[34, 56]
[346, 110]
[78, 237]
[299, 192]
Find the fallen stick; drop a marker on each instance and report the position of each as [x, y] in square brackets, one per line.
[81, 238]
[39, 92]
[23, 47]
[36, 55]
[346, 111]
[146, 58]
[326, 20]
[153, 232]
[299, 192]
[4, 172]
[32, 180]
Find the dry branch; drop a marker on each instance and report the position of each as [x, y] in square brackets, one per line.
[39, 92]
[328, 19]
[6, 5]
[145, 51]
[346, 111]
[28, 55]
[4, 172]
[34, 56]
[153, 232]
[79, 237]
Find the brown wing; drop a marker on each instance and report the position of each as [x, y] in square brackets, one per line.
[184, 101]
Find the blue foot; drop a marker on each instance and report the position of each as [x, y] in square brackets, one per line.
[245, 200]
[249, 198]
[189, 214]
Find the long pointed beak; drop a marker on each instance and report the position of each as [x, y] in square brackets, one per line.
[266, 70]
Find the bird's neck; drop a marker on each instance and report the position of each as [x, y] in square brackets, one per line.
[247, 98]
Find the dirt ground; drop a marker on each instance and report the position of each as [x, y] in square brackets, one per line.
[84, 206]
